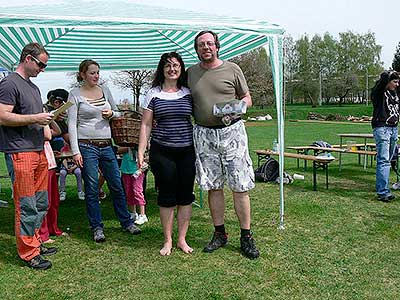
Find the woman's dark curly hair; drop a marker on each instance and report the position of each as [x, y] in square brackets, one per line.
[159, 77]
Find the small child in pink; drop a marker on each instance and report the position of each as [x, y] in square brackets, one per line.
[133, 184]
[50, 221]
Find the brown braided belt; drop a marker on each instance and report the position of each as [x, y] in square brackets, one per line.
[97, 143]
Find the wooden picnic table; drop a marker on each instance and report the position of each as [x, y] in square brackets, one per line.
[370, 146]
[317, 150]
[318, 162]
[364, 136]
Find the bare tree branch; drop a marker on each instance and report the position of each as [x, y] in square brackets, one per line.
[133, 80]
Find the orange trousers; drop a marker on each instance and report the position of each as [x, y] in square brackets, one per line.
[30, 199]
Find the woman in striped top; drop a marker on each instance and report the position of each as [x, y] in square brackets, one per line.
[172, 156]
[90, 138]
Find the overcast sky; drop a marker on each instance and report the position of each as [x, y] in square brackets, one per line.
[297, 17]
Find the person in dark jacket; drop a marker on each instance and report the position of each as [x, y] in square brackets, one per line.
[385, 118]
[56, 98]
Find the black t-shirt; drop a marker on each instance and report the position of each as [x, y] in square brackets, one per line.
[24, 95]
[386, 108]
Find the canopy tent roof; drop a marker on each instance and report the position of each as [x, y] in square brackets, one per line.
[119, 34]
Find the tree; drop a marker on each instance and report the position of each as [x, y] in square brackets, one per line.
[335, 68]
[258, 74]
[317, 51]
[329, 63]
[396, 59]
[290, 66]
[359, 55]
[134, 80]
[306, 78]
[370, 63]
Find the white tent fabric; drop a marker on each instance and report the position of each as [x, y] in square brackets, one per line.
[123, 35]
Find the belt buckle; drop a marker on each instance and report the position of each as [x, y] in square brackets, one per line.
[102, 144]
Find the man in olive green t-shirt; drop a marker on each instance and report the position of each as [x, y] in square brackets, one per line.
[221, 150]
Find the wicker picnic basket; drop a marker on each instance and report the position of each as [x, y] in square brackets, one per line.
[125, 129]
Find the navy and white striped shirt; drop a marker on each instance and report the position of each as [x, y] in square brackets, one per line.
[172, 112]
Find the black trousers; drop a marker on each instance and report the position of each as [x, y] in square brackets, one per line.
[174, 172]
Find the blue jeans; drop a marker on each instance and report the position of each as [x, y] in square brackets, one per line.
[10, 168]
[386, 140]
[104, 158]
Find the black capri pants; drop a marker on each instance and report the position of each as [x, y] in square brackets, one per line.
[174, 172]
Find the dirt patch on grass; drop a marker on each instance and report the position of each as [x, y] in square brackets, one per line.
[259, 124]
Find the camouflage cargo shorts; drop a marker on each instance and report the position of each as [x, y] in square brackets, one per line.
[222, 155]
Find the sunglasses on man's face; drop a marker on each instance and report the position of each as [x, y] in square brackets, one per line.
[40, 64]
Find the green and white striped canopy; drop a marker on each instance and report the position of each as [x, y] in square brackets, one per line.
[119, 34]
[124, 35]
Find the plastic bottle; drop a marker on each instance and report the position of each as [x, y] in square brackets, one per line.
[298, 176]
[137, 173]
[141, 170]
[275, 145]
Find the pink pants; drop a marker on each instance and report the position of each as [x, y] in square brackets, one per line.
[134, 189]
[50, 222]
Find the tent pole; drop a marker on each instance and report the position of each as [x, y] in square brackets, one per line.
[276, 57]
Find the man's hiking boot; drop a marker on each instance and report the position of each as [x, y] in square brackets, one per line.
[39, 263]
[218, 240]
[248, 247]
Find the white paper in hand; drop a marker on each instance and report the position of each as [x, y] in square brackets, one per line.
[61, 109]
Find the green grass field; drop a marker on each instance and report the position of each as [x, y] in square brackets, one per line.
[338, 243]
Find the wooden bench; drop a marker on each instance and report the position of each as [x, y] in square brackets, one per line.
[318, 162]
[317, 150]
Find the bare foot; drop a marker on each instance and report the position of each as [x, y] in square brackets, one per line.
[166, 250]
[49, 241]
[184, 247]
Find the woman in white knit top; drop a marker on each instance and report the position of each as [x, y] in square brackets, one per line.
[90, 138]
